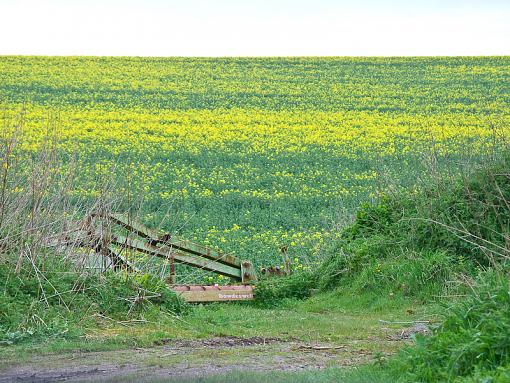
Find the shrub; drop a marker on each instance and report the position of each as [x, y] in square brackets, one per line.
[473, 340]
[57, 301]
[421, 239]
[269, 291]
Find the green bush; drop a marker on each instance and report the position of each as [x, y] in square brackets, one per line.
[56, 301]
[271, 290]
[414, 242]
[472, 342]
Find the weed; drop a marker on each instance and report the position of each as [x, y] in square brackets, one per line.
[471, 343]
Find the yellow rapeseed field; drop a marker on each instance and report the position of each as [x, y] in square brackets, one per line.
[256, 154]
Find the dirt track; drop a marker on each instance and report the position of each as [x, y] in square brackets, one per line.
[183, 358]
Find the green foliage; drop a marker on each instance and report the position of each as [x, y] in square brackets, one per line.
[472, 343]
[56, 301]
[269, 291]
[500, 375]
[414, 242]
[366, 374]
[146, 289]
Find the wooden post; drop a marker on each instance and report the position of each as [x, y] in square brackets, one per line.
[171, 278]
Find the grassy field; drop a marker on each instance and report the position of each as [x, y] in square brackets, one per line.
[250, 155]
[348, 326]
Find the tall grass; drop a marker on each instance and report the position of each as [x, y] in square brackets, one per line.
[473, 342]
[47, 287]
[449, 241]
[424, 242]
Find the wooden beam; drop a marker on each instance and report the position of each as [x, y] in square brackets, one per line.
[180, 257]
[196, 294]
[118, 258]
[174, 241]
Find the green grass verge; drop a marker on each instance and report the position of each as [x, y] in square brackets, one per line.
[365, 374]
[473, 342]
[337, 317]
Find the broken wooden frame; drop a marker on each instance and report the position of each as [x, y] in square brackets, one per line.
[103, 233]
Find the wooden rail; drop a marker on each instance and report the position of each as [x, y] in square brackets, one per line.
[110, 234]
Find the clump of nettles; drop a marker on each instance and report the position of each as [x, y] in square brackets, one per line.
[415, 242]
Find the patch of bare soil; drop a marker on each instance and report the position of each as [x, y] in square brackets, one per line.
[410, 332]
[224, 341]
[184, 358]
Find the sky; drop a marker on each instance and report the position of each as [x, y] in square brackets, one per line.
[255, 28]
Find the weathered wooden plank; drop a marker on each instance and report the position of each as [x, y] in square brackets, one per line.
[142, 230]
[196, 294]
[175, 241]
[169, 252]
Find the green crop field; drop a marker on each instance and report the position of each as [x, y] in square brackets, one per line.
[250, 155]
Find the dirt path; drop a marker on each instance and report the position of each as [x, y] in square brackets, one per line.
[183, 358]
